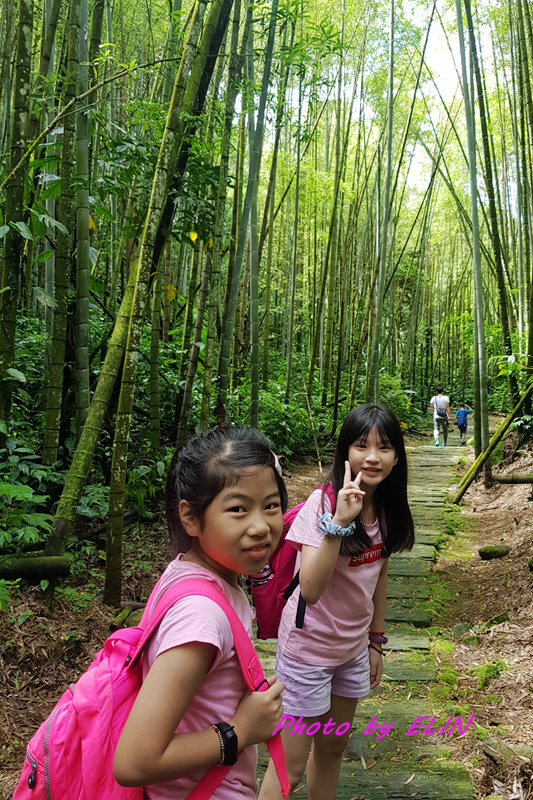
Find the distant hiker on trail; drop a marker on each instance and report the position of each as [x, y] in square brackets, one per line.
[461, 415]
[440, 403]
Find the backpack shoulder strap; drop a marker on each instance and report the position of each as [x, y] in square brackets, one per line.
[330, 494]
[248, 660]
[300, 610]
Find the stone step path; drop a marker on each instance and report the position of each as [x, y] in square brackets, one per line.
[404, 763]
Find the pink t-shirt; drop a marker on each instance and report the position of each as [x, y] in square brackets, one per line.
[335, 628]
[199, 619]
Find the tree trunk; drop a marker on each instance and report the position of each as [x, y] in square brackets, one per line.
[50, 21]
[195, 271]
[97, 24]
[14, 210]
[83, 264]
[478, 280]
[195, 351]
[515, 477]
[155, 335]
[183, 99]
[34, 568]
[83, 455]
[253, 244]
[63, 255]
[373, 383]
[495, 232]
[215, 252]
[292, 296]
[253, 175]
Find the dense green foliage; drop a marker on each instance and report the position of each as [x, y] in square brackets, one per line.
[355, 280]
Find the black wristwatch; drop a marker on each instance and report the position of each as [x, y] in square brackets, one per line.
[229, 743]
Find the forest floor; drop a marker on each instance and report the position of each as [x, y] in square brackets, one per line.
[494, 601]
[482, 614]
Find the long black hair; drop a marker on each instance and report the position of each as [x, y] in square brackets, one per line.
[391, 494]
[206, 465]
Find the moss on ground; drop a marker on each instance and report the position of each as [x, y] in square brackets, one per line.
[448, 676]
[491, 551]
[456, 710]
[439, 692]
[486, 673]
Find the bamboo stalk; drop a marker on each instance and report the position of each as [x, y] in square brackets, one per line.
[515, 477]
[34, 568]
[480, 460]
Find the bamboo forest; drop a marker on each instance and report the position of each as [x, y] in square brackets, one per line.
[261, 214]
[217, 213]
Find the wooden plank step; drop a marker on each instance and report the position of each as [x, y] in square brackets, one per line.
[419, 467]
[399, 711]
[425, 508]
[408, 611]
[386, 781]
[425, 551]
[408, 567]
[433, 511]
[417, 588]
[407, 637]
[401, 671]
[427, 518]
[430, 492]
[430, 530]
[429, 538]
[435, 499]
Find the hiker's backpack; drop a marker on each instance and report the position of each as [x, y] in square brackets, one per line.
[273, 586]
[71, 755]
[462, 416]
[441, 412]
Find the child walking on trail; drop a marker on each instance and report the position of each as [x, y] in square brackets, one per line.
[225, 500]
[461, 415]
[335, 658]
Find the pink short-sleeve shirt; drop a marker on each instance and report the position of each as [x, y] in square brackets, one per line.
[199, 619]
[335, 628]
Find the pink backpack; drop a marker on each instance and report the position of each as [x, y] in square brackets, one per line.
[71, 755]
[272, 587]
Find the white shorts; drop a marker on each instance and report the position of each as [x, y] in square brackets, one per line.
[308, 689]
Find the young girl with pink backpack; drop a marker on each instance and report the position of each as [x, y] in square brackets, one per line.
[174, 707]
[343, 549]
[225, 502]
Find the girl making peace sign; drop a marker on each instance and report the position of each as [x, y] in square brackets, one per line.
[343, 560]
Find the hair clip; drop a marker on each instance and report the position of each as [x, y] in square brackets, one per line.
[277, 465]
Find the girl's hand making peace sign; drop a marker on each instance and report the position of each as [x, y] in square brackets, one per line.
[349, 499]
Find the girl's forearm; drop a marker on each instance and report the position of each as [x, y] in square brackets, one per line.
[186, 752]
[317, 568]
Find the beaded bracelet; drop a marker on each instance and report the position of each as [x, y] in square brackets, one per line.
[222, 748]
